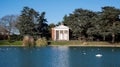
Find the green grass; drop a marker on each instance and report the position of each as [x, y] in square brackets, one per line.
[76, 42]
[73, 42]
[6, 42]
[65, 42]
[98, 43]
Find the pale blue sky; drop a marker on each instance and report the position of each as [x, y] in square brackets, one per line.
[55, 9]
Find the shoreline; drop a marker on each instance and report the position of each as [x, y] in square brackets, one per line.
[67, 45]
[88, 45]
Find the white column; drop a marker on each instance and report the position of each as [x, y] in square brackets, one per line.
[63, 34]
[68, 35]
[59, 35]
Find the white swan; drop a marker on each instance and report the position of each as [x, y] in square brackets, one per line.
[98, 55]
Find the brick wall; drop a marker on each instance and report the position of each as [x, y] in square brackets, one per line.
[53, 35]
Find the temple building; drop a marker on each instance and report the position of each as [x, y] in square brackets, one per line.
[60, 33]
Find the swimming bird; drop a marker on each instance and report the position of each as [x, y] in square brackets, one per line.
[98, 55]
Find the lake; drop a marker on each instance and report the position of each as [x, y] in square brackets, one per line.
[59, 56]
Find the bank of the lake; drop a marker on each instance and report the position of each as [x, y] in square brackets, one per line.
[88, 45]
[84, 44]
[65, 43]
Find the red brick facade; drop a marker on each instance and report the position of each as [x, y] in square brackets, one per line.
[53, 35]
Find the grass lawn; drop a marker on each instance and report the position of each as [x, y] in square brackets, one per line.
[63, 43]
[80, 43]
[10, 43]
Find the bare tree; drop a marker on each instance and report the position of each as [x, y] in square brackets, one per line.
[9, 22]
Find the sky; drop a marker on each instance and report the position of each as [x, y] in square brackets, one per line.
[55, 9]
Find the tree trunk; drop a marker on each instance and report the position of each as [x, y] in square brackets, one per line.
[113, 38]
[9, 37]
[113, 34]
[104, 37]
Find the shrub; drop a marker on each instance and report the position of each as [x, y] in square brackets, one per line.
[31, 42]
[28, 41]
[41, 42]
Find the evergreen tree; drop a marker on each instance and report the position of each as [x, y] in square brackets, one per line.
[32, 23]
[79, 22]
[111, 14]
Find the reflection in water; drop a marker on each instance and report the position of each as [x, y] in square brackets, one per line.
[44, 57]
[84, 53]
[26, 57]
[60, 57]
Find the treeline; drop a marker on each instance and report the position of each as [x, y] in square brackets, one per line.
[29, 22]
[89, 25]
[84, 24]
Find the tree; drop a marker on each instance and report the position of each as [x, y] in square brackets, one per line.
[111, 14]
[9, 22]
[79, 22]
[32, 23]
[42, 26]
[100, 26]
[26, 21]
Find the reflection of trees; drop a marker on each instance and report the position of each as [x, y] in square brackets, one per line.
[60, 56]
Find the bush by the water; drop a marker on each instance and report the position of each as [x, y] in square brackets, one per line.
[41, 42]
[28, 41]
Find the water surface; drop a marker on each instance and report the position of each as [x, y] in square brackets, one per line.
[59, 56]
